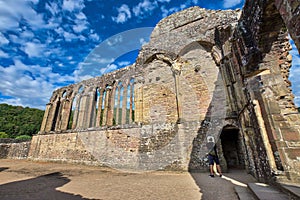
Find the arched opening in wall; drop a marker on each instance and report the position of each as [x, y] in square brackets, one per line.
[232, 148]
[115, 106]
[64, 94]
[294, 71]
[56, 114]
[128, 112]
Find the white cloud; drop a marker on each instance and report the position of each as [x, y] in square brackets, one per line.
[231, 3]
[163, 1]
[34, 49]
[94, 37]
[109, 68]
[11, 12]
[166, 12]
[144, 7]
[81, 22]
[3, 39]
[114, 40]
[78, 28]
[123, 14]
[143, 41]
[123, 63]
[52, 7]
[72, 5]
[29, 85]
[3, 54]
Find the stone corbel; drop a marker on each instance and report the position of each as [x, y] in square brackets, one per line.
[217, 55]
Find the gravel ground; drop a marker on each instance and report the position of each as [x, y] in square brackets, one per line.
[22, 180]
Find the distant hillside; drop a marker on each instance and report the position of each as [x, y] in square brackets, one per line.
[16, 120]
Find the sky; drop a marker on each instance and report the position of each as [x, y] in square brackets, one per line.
[45, 45]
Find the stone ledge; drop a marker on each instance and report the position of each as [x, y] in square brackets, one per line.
[243, 193]
[266, 192]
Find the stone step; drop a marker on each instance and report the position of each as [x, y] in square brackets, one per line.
[292, 189]
[264, 191]
[243, 193]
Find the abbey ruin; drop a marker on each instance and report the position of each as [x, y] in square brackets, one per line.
[204, 75]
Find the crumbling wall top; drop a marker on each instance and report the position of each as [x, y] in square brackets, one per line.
[193, 14]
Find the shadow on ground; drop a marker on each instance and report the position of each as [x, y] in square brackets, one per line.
[41, 187]
[221, 188]
[3, 168]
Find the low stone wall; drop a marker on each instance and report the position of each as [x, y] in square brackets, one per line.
[14, 149]
[163, 146]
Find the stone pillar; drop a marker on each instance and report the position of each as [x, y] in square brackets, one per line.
[178, 97]
[264, 136]
[45, 118]
[130, 103]
[111, 105]
[138, 102]
[118, 106]
[100, 101]
[106, 107]
[50, 125]
[124, 105]
[90, 109]
[81, 122]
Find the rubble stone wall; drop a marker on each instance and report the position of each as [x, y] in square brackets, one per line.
[14, 149]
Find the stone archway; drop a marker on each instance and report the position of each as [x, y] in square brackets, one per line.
[232, 149]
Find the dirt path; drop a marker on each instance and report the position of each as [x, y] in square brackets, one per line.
[20, 179]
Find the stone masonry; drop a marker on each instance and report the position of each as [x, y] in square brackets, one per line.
[205, 75]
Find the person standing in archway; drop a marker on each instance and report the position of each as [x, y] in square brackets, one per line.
[213, 158]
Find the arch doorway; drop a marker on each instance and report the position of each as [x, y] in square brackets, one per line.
[232, 148]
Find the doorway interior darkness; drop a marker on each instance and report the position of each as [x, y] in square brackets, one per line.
[232, 148]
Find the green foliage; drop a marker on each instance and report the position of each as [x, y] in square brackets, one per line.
[4, 135]
[298, 109]
[16, 120]
[23, 137]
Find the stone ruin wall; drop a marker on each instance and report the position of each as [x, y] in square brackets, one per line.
[203, 73]
[257, 67]
[172, 87]
[14, 149]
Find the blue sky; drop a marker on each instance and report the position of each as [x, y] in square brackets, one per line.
[47, 44]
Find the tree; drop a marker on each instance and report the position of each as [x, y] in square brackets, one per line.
[16, 120]
[3, 135]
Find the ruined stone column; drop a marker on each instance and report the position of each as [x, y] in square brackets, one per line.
[45, 118]
[81, 123]
[65, 114]
[51, 117]
[106, 106]
[124, 104]
[264, 136]
[91, 109]
[111, 105]
[130, 102]
[100, 101]
[138, 102]
[118, 106]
